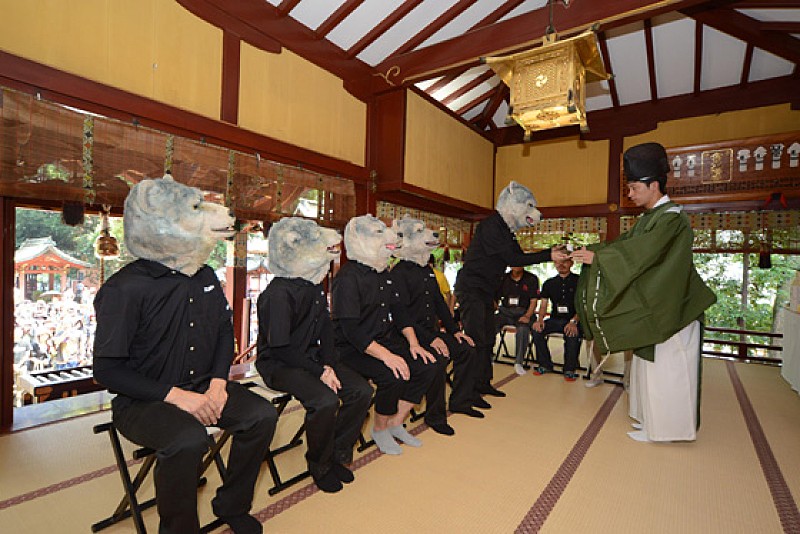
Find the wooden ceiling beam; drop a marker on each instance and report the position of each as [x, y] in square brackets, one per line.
[612, 84]
[497, 14]
[444, 80]
[747, 64]
[698, 55]
[742, 27]
[380, 28]
[767, 4]
[286, 6]
[492, 106]
[466, 88]
[788, 27]
[651, 58]
[440, 22]
[474, 102]
[337, 17]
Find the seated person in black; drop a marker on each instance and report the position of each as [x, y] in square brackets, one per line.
[164, 344]
[374, 336]
[419, 291]
[560, 290]
[296, 349]
[519, 293]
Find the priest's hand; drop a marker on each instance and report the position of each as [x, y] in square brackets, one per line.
[583, 255]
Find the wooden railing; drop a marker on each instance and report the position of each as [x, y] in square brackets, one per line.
[743, 347]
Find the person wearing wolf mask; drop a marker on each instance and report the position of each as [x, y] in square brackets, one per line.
[494, 248]
[296, 350]
[642, 292]
[164, 344]
[374, 335]
[419, 291]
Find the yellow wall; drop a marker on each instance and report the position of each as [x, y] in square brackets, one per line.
[444, 156]
[288, 98]
[723, 127]
[153, 48]
[563, 172]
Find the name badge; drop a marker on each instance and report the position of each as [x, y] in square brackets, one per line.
[563, 309]
[513, 301]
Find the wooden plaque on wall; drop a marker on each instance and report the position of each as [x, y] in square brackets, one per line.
[743, 169]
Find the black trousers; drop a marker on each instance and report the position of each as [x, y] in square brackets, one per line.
[572, 344]
[477, 317]
[463, 393]
[181, 441]
[331, 428]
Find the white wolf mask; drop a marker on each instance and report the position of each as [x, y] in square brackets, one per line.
[299, 248]
[171, 223]
[418, 241]
[517, 206]
[368, 241]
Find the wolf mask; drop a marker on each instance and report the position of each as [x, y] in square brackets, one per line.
[418, 241]
[171, 223]
[368, 241]
[299, 248]
[517, 206]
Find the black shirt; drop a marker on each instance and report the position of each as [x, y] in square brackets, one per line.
[523, 290]
[158, 328]
[362, 296]
[561, 293]
[294, 325]
[425, 305]
[493, 248]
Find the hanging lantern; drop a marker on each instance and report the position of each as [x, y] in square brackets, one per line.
[106, 246]
[548, 83]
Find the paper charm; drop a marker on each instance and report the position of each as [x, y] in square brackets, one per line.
[743, 155]
[777, 152]
[760, 153]
[676, 166]
[794, 154]
[691, 162]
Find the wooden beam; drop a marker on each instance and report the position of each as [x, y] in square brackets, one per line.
[286, 6]
[229, 105]
[466, 88]
[444, 80]
[767, 4]
[486, 116]
[746, 64]
[7, 220]
[698, 55]
[337, 17]
[651, 60]
[785, 26]
[379, 29]
[498, 13]
[612, 84]
[474, 102]
[746, 28]
[217, 16]
[437, 24]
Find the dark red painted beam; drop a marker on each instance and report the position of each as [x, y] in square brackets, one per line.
[466, 88]
[612, 85]
[382, 27]
[651, 60]
[440, 22]
[337, 17]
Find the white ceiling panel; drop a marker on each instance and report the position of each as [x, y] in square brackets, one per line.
[499, 118]
[673, 54]
[405, 29]
[772, 15]
[626, 48]
[473, 113]
[598, 96]
[423, 85]
[723, 56]
[469, 96]
[461, 81]
[471, 16]
[530, 5]
[361, 21]
[766, 65]
[312, 14]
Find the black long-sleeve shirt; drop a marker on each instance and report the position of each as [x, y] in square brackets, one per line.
[419, 292]
[158, 328]
[492, 249]
[294, 325]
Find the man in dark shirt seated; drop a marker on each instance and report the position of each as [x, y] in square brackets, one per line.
[164, 344]
[519, 292]
[296, 350]
[560, 291]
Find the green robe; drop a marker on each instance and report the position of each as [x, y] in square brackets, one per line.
[642, 288]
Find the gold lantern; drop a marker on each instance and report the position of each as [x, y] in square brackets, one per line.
[548, 83]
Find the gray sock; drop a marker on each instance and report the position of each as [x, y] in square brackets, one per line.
[385, 442]
[402, 434]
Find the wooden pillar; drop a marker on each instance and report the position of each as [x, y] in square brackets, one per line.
[7, 314]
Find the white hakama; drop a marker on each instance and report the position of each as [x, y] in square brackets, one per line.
[663, 393]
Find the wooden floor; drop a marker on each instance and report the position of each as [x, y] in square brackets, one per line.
[552, 457]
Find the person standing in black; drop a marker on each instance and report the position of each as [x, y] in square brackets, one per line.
[519, 293]
[493, 248]
[164, 344]
[296, 350]
[560, 291]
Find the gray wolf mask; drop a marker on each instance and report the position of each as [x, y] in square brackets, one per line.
[368, 241]
[300, 248]
[418, 241]
[171, 223]
[517, 206]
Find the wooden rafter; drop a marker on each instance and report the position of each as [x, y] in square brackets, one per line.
[767, 4]
[612, 85]
[651, 59]
[466, 88]
[444, 80]
[747, 63]
[474, 102]
[698, 55]
[286, 6]
[337, 17]
[746, 28]
[379, 29]
[436, 25]
[788, 27]
[485, 118]
[497, 14]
